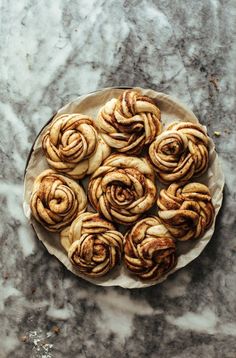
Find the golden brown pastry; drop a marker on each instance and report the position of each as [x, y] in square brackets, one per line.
[73, 146]
[56, 200]
[180, 152]
[186, 211]
[122, 188]
[93, 244]
[129, 122]
[150, 251]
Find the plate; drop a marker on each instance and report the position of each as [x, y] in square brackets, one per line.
[172, 110]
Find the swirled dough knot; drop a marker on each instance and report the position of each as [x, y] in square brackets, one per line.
[123, 188]
[187, 211]
[129, 122]
[94, 245]
[56, 200]
[150, 251]
[180, 152]
[73, 146]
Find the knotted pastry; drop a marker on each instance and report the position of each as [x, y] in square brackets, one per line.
[93, 244]
[180, 152]
[73, 146]
[56, 200]
[150, 251]
[129, 122]
[122, 188]
[186, 211]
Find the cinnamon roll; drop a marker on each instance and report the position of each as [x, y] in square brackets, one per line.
[73, 146]
[149, 249]
[186, 210]
[123, 188]
[93, 244]
[56, 200]
[129, 122]
[180, 153]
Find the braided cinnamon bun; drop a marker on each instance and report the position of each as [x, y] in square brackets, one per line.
[56, 200]
[186, 211]
[150, 251]
[93, 244]
[123, 188]
[180, 152]
[129, 122]
[73, 146]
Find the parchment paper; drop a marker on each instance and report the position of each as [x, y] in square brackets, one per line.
[171, 110]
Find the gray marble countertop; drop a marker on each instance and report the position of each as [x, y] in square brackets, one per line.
[52, 51]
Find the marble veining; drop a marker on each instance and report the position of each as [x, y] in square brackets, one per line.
[52, 51]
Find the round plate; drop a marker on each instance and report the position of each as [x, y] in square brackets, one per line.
[171, 110]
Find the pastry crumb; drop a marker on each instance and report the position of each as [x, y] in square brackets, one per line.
[56, 329]
[215, 82]
[24, 339]
[217, 134]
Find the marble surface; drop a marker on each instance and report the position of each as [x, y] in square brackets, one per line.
[52, 51]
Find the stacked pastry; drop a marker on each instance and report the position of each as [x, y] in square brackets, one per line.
[123, 151]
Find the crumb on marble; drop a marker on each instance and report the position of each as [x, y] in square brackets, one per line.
[56, 329]
[24, 339]
[217, 134]
[33, 290]
[214, 80]
[44, 342]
